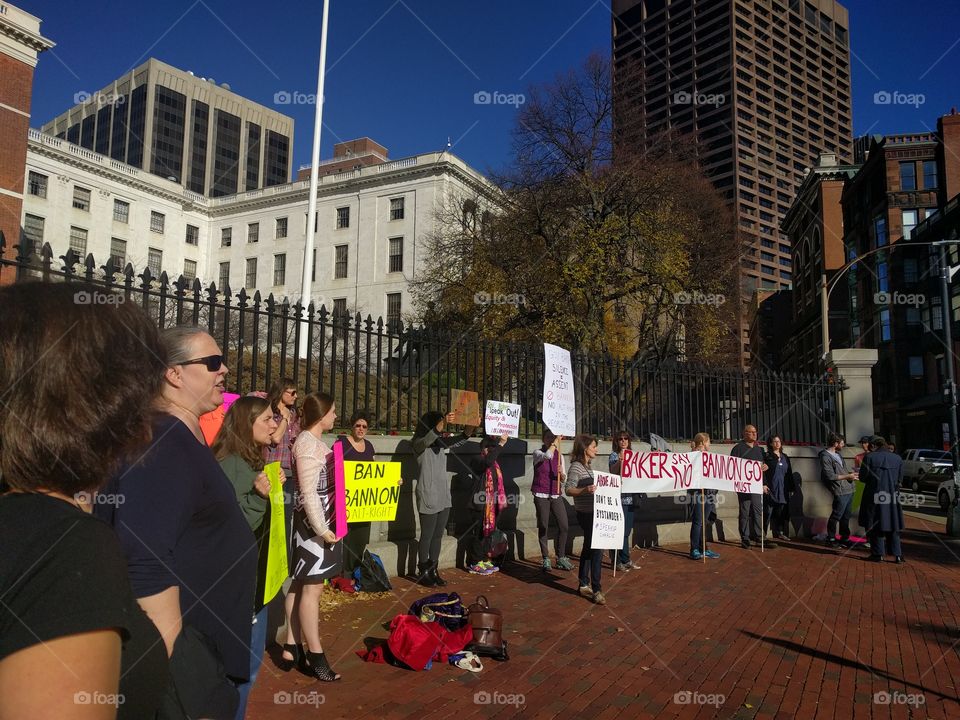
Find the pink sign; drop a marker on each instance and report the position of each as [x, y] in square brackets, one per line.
[339, 490]
[228, 400]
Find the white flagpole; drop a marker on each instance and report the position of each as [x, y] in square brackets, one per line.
[306, 286]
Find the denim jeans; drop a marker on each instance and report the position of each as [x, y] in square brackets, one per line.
[841, 512]
[696, 521]
[628, 516]
[590, 560]
[258, 644]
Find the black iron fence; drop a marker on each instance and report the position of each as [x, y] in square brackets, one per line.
[397, 373]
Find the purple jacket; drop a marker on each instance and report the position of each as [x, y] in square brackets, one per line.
[546, 472]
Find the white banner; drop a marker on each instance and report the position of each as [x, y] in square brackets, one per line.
[502, 418]
[607, 513]
[559, 404]
[660, 472]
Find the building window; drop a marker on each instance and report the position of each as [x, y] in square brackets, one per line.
[340, 262]
[251, 277]
[81, 199]
[913, 316]
[916, 366]
[929, 174]
[226, 237]
[908, 175]
[154, 261]
[281, 228]
[224, 276]
[882, 279]
[190, 269]
[396, 254]
[37, 184]
[909, 218]
[910, 273]
[279, 269]
[121, 211]
[32, 234]
[157, 221]
[253, 232]
[880, 230]
[884, 325]
[343, 217]
[78, 242]
[193, 235]
[313, 266]
[118, 252]
[396, 208]
[339, 309]
[393, 311]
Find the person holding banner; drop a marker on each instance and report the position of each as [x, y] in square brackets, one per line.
[750, 516]
[247, 429]
[627, 502]
[548, 479]
[283, 401]
[703, 506]
[318, 554]
[581, 487]
[433, 489]
[778, 487]
[357, 448]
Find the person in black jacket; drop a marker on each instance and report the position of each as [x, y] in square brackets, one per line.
[489, 500]
[778, 487]
[880, 511]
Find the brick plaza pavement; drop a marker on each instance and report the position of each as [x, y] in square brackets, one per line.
[800, 631]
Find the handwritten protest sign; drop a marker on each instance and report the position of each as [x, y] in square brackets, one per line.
[657, 472]
[607, 513]
[340, 492]
[277, 540]
[502, 418]
[465, 406]
[373, 490]
[559, 403]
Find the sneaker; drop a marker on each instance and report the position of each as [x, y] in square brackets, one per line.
[711, 554]
[599, 598]
[586, 591]
[488, 564]
[545, 565]
[636, 566]
[564, 563]
[478, 569]
[696, 555]
[623, 567]
[745, 544]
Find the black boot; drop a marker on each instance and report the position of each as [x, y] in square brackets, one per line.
[320, 668]
[435, 572]
[297, 653]
[426, 577]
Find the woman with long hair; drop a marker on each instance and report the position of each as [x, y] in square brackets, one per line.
[628, 501]
[79, 380]
[777, 487]
[246, 431]
[581, 487]
[547, 487]
[317, 553]
[489, 500]
[702, 507]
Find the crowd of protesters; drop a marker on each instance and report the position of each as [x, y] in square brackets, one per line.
[168, 609]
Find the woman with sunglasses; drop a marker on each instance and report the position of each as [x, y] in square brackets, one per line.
[547, 487]
[356, 448]
[239, 446]
[627, 502]
[317, 553]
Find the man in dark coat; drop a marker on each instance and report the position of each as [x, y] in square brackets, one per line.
[750, 519]
[880, 511]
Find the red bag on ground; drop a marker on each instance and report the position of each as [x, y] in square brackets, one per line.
[416, 643]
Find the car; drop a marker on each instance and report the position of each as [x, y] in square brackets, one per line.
[919, 463]
[947, 493]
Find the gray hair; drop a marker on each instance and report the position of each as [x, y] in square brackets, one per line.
[178, 342]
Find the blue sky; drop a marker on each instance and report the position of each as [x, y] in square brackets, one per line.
[405, 72]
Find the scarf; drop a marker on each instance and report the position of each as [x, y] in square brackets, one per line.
[495, 499]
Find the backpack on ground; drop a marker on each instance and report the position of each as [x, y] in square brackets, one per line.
[487, 625]
[445, 608]
[371, 575]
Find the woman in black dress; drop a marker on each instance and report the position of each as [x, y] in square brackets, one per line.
[317, 553]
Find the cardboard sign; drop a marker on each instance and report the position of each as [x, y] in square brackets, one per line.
[373, 490]
[659, 472]
[465, 406]
[559, 403]
[277, 540]
[502, 418]
[607, 513]
[340, 493]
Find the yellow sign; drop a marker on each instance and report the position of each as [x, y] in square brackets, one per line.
[373, 490]
[277, 547]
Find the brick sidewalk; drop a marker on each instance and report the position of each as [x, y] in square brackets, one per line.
[797, 632]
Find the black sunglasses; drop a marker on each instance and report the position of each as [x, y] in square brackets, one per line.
[212, 362]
